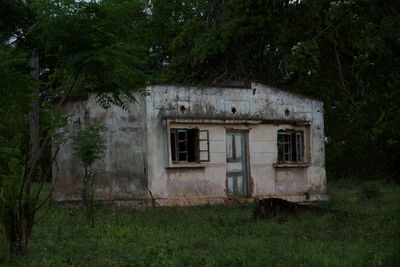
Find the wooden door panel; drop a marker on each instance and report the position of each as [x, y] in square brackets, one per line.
[236, 165]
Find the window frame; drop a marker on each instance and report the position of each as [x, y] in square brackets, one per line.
[293, 143]
[207, 141]
[201, 146]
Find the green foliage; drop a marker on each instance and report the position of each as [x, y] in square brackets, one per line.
[305, 57]
[13, 199]
[94, 46]
[81, 47]
[89, 147]
[13, 103]
[15, 83]
[14, 19]
[221, 236]
[343, 52]
[89, 144]
[10, 180]
[369, 190]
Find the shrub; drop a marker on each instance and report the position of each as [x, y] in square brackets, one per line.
[89, 147]
[369, 190]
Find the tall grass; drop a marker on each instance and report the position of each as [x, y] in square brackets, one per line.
[221, 235]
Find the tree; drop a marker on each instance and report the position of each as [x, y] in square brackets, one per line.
[14, 140]
[82, 47]
[343, 52]
[361, 63]
[89, 147]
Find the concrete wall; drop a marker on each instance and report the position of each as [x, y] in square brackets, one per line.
[261, 111]
[270, 180]
[121, 173]
[139, 151]
[193, 183]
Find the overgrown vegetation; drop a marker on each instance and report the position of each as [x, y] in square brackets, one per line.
[89, 147]
[48, 51]
[369, 191]
[346, 53]
[221, 236]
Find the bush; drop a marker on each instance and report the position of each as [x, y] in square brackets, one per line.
[369, 190]
[89, 147]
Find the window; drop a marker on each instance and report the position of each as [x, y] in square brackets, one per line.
[290, 146]
[189, 145]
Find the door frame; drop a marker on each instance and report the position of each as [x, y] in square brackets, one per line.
[245, 160]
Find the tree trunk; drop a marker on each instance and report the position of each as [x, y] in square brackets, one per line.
[20, 230]
[34, 114]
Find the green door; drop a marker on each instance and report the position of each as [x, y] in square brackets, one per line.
[236, 171]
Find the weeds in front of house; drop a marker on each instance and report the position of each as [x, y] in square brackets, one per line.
[221, 235]
[89, 147]
[369, 191]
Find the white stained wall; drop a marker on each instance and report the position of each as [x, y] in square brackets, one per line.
[272, 180]
[210, 109]
[138, 156]
[176, 183]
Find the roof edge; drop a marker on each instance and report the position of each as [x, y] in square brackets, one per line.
[245, 85]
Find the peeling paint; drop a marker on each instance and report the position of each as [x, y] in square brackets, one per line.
[138, 153]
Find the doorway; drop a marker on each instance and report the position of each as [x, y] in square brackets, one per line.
[236, 164]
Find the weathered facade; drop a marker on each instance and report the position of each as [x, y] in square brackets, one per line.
[191, 145]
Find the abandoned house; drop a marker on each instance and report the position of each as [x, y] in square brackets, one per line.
[193, 145]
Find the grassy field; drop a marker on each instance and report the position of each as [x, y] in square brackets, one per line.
[223, 236]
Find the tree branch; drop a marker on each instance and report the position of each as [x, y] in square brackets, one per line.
[329, 26]
[48, 136]
[2, 195]
[342, 80]
[42, 182]
[24, 177]
[44, 202]
[49, 195]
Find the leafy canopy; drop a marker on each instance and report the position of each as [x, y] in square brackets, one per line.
[89, 144]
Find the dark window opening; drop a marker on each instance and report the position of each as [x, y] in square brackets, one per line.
[290, 146]
[189, 145]
[173, 148]
[182, 145]
[192, 146]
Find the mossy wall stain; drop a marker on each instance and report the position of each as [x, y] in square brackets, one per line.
[137, 160]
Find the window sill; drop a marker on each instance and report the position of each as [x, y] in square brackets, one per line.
[187, 165]
[292, 165]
